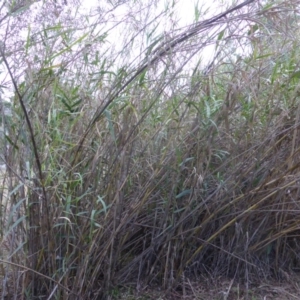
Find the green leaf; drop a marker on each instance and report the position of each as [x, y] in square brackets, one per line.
[15, 224]
[253, 29]
[220, 35]
[15, 10]
[296, 75]
[184, 193]
[186, 160]
[105, 207]
[16, 189]
[69, 47]
[11, 142]
[142, 78]
[27, 44]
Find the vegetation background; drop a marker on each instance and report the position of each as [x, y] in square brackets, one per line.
[139, 166]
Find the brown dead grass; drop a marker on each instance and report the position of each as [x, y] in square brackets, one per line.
[221, 289]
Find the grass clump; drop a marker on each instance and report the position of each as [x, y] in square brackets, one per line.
[158, 172]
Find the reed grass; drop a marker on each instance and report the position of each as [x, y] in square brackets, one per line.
[156, 174]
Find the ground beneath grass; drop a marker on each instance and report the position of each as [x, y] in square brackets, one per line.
[221, 289]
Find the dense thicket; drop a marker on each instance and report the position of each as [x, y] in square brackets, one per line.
[141, 157]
